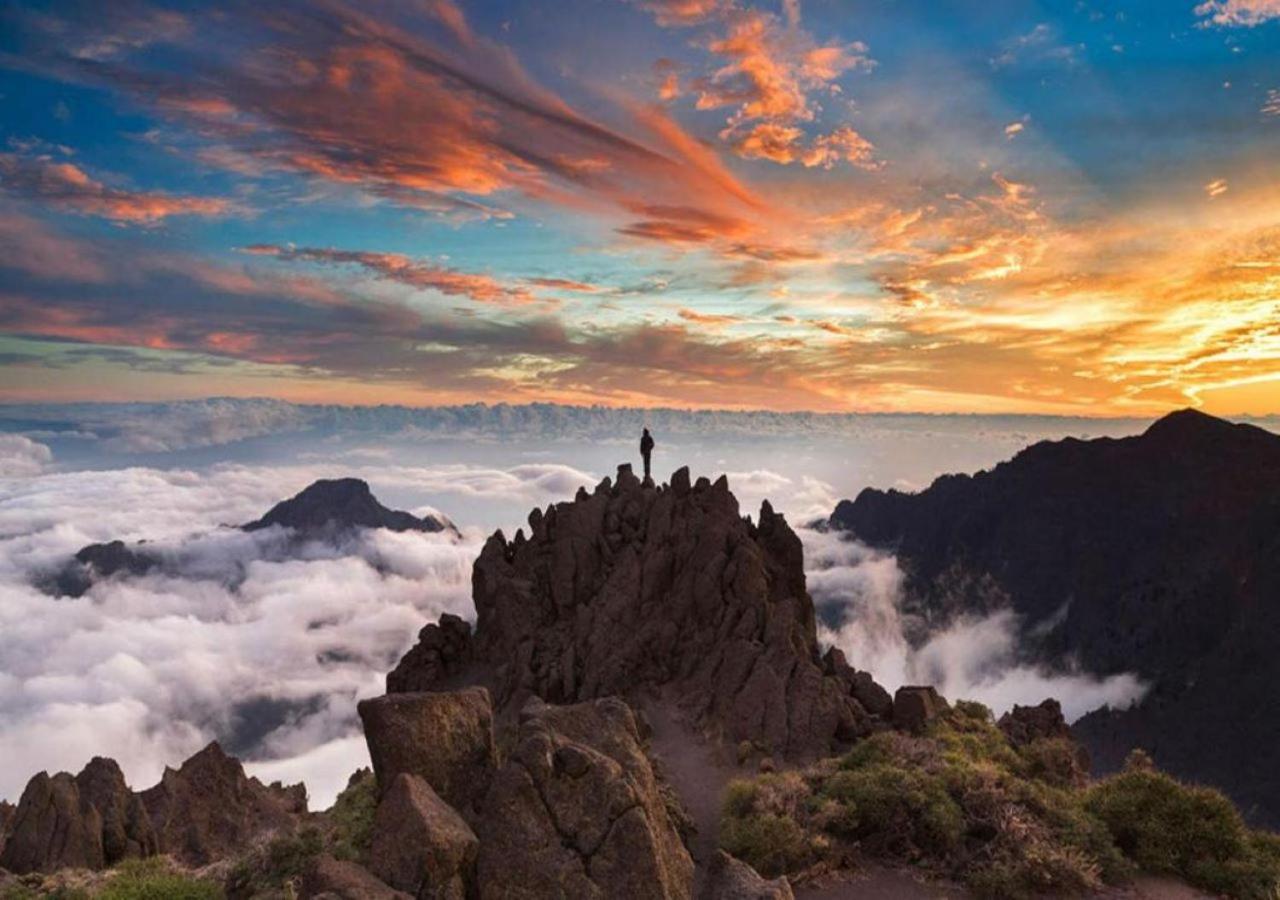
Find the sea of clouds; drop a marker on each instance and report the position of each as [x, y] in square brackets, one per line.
[267, 644]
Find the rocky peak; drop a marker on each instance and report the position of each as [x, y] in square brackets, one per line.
[341, 503]
[208, 809]
[635, 586]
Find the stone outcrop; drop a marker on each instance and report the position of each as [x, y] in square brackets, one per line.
[729, 878]
[88, 821]
[444, 738]
[126, 827]
[208, 809]
[1024, 724]
[634, 587]
[335, 504]
[1157, 555]
[327, 878]
[53, 828]
[915, 707]
[443, 652]
[7, 811]
[420, 844]
[577, 812]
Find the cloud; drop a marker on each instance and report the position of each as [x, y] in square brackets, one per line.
[1235, 13]
[407, 104]
[859, 595]
[1217, 187]
[67, 186]
[682, 13]
[768, 72]
[21, 457]
[1039, 46]
[1271, 106]
[404, 270]
[253, 638]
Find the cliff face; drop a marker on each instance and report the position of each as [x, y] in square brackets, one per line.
[1158, 553]
[635, 587]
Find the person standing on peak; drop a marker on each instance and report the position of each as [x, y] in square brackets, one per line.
[646, 451]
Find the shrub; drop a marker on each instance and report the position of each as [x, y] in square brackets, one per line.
[759, 823]
[906, 812]
[156, 879]
[274, 868]
[352, 816]
[1194, 833]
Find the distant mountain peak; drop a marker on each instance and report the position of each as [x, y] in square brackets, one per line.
[343, 503]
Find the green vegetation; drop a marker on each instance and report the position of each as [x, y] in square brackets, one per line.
[155, 879]
[1193, 833]
[961, 802]
[136, 879]
[352, 817]
[276, 869]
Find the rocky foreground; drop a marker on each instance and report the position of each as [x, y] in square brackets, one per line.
[1157, 554]
[642, 690]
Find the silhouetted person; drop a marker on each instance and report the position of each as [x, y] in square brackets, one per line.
[646, 450]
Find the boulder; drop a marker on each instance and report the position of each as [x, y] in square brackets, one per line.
[1024, 724]
[634, 586]
[126, 827]
[729, 878]
[443, 651]
[444, 738]
[420, 844]
[53, 828]
[208, 809]
[916, 707]
[327, 878]
[577, 812]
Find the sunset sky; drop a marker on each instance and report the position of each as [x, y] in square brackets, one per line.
[854, 205]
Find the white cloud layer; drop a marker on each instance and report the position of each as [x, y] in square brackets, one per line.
[268, 643]
[248, 637]
[21, 457]
[972, 659]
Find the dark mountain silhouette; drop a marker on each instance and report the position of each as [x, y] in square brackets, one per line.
[343, 503]
[1158, 554]
[324, 509]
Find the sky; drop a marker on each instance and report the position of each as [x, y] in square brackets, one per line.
[1065, 207]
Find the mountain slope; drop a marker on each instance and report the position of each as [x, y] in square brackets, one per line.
[1158, 553]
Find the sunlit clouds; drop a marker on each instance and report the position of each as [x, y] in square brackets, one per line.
[701, 203]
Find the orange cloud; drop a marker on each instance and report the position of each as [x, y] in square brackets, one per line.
[769, 70]
[1247, 13]
[67, 186]
[682, 13]
[406, 271]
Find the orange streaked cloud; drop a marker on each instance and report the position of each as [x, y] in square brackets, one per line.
[404, 270]
[66, 185]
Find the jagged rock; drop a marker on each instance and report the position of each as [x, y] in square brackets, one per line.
[340, 503]
[445, 738]
[208, 809]
[1156, 555]
[420, 843]
[53, 828]
[1024, 724]
[634, 586]
[729, 878]
[442, 651]
[916, 707]
[126, 827]
[7, 811]
[577, 812]
[327, 878]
